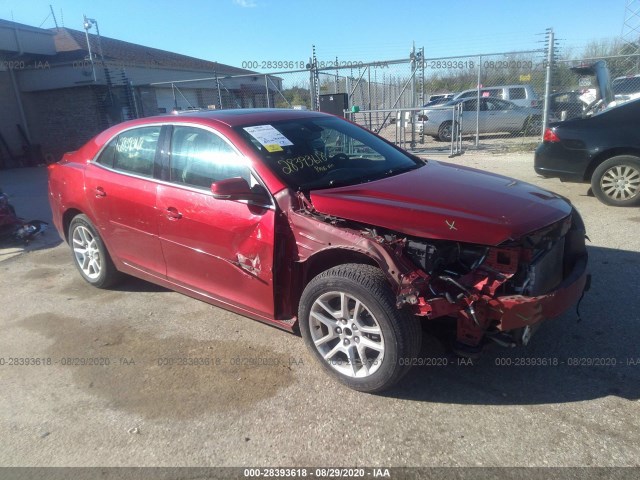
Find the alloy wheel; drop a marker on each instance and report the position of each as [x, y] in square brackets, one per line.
[86, 252]
[346, 334]
[620, 182]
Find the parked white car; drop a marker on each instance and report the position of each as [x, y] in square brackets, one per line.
[494, 116]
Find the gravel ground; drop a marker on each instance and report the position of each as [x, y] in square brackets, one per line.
[137, 412]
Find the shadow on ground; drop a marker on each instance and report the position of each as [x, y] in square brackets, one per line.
[572, 361]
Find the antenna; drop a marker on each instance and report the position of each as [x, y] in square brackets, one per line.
[54, 16]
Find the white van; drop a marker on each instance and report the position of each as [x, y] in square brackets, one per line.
[521, 95]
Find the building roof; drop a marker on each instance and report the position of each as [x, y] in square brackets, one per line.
[21, 26]
[72, 45]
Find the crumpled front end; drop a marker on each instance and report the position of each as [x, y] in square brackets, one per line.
[500, 292]
[503, 292]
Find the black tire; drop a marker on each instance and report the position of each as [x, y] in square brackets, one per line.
[445, 131]
[400, 333]
[95, 264]
[532, 125]
[616, 181]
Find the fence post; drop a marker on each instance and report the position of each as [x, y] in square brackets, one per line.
[369, 95]
[414, 68]
[266, 88]
[478, 99]
[547, 82]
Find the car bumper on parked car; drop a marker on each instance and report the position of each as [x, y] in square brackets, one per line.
[557, 161]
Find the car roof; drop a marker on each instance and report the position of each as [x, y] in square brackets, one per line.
[496, 87]
[240, 116]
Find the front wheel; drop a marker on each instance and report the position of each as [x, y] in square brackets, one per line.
[349, 321]
[445, 131]
[616, 181]
[90, 255]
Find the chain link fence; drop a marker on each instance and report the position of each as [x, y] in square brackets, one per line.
[503, 102]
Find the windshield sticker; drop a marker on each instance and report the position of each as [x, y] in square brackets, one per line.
[269, 137]
[317, 161]
[273, 147]
[129, 145]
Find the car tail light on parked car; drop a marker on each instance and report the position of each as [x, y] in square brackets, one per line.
[550, 136]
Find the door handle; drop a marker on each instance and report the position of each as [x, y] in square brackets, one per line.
[100, 192]
[173, 213]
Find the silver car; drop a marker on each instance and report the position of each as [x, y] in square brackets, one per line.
[494, 116]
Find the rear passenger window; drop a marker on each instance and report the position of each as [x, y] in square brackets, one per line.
[517, 94]
[106, 157]
[200, 158]
[132, 151]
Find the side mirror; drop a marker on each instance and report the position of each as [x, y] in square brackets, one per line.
[237, 188]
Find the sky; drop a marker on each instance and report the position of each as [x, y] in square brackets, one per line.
[234, 32]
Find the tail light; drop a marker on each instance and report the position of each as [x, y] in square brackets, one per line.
[550, 136]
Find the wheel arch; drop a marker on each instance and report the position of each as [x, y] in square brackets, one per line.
[332, 257]
[606, 155]
[322, 261]
[69, 215]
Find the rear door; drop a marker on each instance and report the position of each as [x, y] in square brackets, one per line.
[121, 193]
[222, 249]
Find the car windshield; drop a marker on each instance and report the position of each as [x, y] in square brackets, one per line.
[325, 152]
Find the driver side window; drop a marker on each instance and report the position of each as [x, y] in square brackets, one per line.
[200, 158]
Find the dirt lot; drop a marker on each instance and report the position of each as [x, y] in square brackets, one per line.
[261, 400]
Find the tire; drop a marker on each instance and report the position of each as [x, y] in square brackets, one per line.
[89, 254]
[532, 125]
[445, 131]
[616, 181]
[335, 333]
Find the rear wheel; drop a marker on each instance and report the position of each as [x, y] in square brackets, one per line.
[90, 255]
[533, 125]
[445, 131]
[349, 321]
[617, 181]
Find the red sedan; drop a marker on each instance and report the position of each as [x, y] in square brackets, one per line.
[304, 220]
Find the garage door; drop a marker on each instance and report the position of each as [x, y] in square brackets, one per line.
[184, 98]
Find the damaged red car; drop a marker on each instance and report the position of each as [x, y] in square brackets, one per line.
[313, 224]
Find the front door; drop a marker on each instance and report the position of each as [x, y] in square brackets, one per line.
[220, 248]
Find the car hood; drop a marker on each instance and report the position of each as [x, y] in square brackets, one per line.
[446, 201]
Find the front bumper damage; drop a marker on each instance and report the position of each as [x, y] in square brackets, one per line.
[482, 303]
[504, 297]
